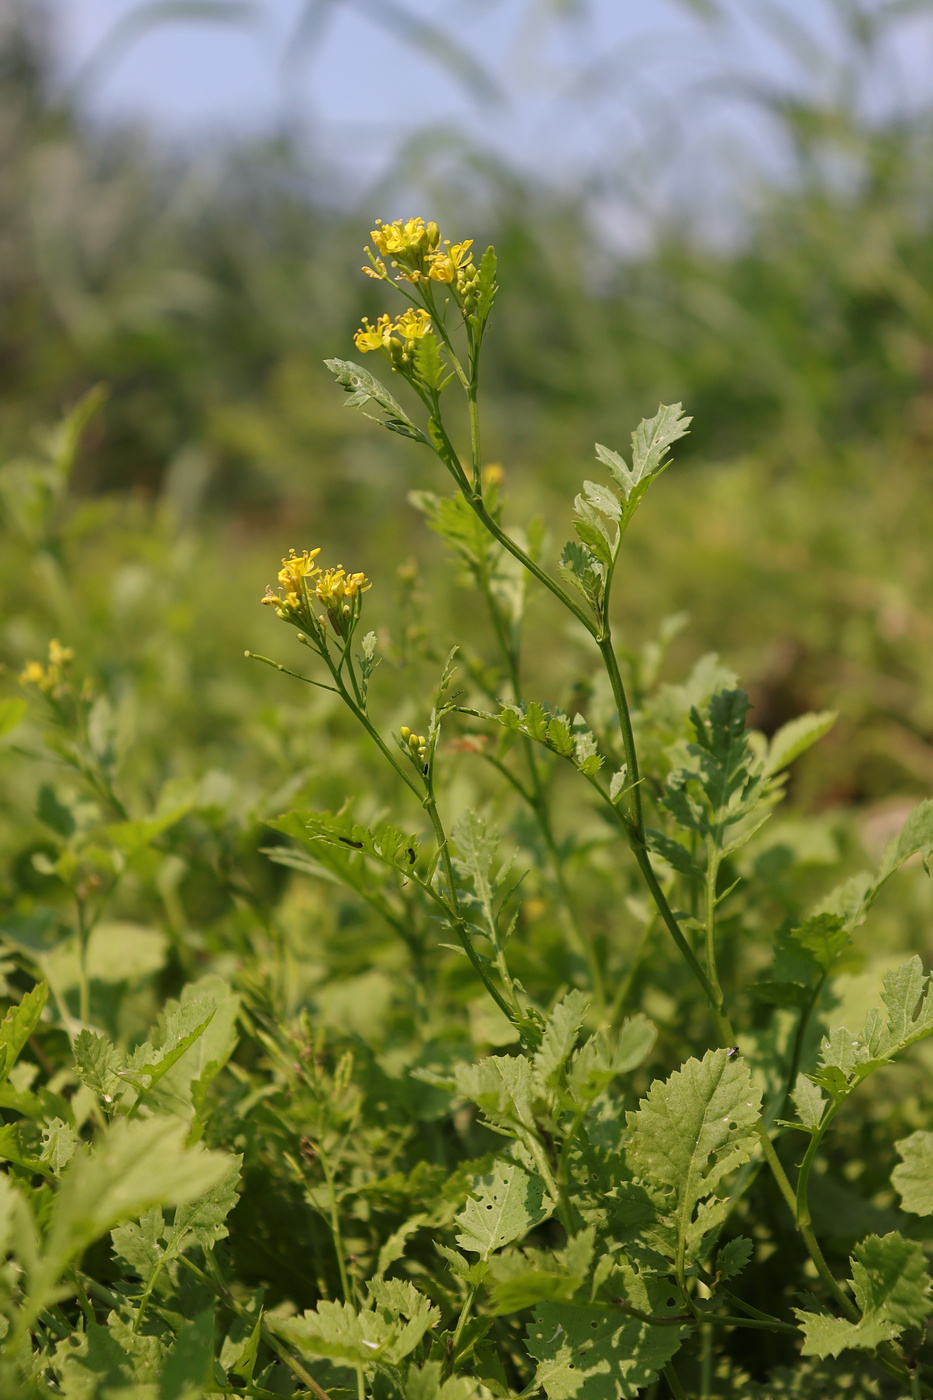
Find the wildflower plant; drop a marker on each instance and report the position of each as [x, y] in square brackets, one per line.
[589, 1084]
[597, 1246]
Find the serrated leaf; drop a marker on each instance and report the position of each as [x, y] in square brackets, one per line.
[823, 937]
[132, 1166]
[98, 1063]
[916, 838]
[139, 1243]
[808, 1101]
[503, 1206]
[338, 1331]
[733, 1257]
[795, 737]
[59, 1144]
[593, 1355]
[676, 855]
[177, 1033]
[203, 1221]
[18, 1025]
[691, 1131]
[558, 1041]
[909, 998]
[913, 1179]
[317, 831]
[363, 387]
[892, 1290]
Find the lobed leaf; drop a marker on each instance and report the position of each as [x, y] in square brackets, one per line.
[913, 1179]
[892, 1289]
[503, 1206]
[691, 1131]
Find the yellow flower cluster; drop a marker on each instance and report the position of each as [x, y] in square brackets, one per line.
[337, 589]
[387, 334]
[302, 581]
[51, 679]
[414, 250]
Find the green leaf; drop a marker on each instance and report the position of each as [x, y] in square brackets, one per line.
[691, 1131]
[594, 1355]
[503, 1206]
[132, 1166]
[202, 1221]
[823, 937]
[177, 1032]
[427, 1383]
[140, 1243]
[486, 288]
[60, 1142]
[676, 854]
[916, 838]
[18, 1025]
[908, 995]
[913, 1179]
[603, 1057]
[581, 567]
[808, 1101]
[892, 1290]
[733, 1257]
[558, 1041]
[794, 738]
[384, 843]
[520, 1278]
[188, 1369]
[98, 1064]
[338, 1331]
[182, 1088]
[363, 388]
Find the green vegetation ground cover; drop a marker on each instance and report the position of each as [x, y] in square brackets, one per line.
[266, 1129]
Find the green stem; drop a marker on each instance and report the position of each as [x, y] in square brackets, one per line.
[84, 988]
[633, 782]
[713, 859]
[799, 1208]
[461, 1323]
[797, 1049]
[463, 935]
[147, 1293]
[673, 1381]
[349, 1294]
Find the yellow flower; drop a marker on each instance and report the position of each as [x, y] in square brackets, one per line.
[335, 588]
[51, 679]
[59, 655]
[373, 337]
[413, 324]
[443, 267]
[292, 575]
[33, 673]
[408, 242]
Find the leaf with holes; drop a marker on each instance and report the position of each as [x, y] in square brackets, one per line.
[687, 1136]
[503, 1206]
[598, 1355]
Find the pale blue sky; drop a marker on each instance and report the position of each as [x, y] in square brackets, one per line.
[601, 95]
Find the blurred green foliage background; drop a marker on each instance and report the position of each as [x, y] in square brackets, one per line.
[795, 530]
